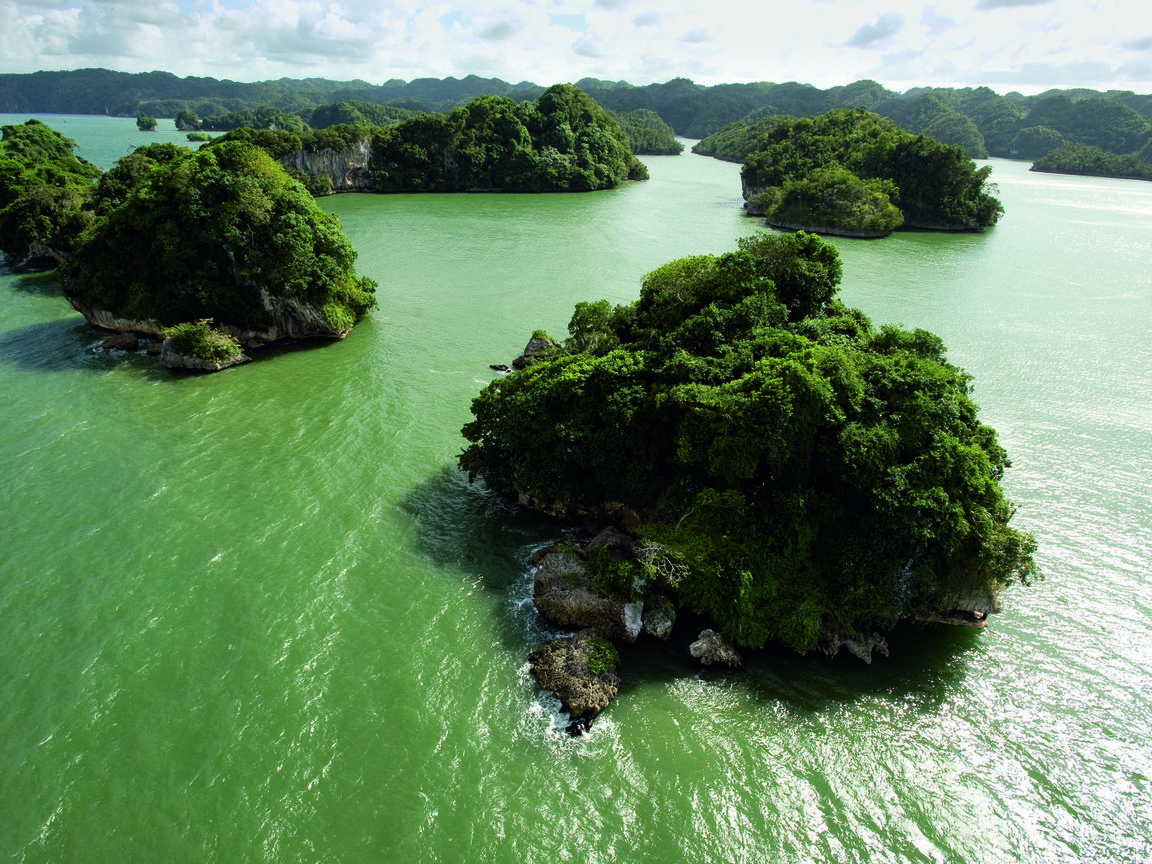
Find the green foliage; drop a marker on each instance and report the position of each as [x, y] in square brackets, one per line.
[928, 115]
[145, 123]
[1082, 159]
[798, 467]
[849, 204]
[1034, 141]
[186, 120]
[45, 193]
[188, 236]
[562, 142]
[933, 185]
[199, 339]
[263, 117]
[199, 136]
[648, 134]
[602, 655]
[355, 114]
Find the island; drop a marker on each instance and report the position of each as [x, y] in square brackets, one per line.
[759, 454]
[856, 174]
[561, 142]
[209, 251]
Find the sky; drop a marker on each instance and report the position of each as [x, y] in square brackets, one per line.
[1024, 45]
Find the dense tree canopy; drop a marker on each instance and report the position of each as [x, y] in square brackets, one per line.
[851, 171]
[799, 468]
[648, 134]
[186, 236]
[45, 192]
[562, 142]
[1082, 159]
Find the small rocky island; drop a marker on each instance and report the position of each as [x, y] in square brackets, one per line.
[206, 252]
[750, 454]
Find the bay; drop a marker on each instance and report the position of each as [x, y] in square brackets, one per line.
[259, 615]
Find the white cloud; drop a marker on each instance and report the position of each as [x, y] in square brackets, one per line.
[1003, 43]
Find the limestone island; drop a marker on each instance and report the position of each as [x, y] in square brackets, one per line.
[852, 173]
[210, 251]
[744, 447]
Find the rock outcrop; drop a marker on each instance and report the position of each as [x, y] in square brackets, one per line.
[832, 639]
[710, 647]
[289, 318]
[580, 671]
[349, 170]
[175, 360]
[535, 351]
[566, 595]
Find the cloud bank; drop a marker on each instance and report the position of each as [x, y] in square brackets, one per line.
[1028, 45]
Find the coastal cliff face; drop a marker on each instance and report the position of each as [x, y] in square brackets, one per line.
[349, 170]
[290, 319]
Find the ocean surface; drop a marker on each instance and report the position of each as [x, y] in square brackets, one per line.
[260, 616]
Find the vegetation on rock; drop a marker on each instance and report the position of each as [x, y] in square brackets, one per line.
[1082, 159]
[45, 193]
[797, 469]
[648, 134]
[562, 142]
[857, 173]
[187, 236]
[198, 339]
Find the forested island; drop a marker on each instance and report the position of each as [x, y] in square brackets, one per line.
[774, 461]
[560, 142]
[209, 250]
[856, 174]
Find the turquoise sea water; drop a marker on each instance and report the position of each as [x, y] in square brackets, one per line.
[259, 615]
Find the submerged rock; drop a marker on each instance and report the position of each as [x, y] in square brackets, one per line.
[121, 342]
[580, 671]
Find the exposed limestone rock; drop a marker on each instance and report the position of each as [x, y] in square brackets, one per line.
[832, 639]
[562, 667]
[593, 517]
[349, 171]
[172, 359]
[710, 647]
[290, 318]
[659, 616]
[826, 231]
[967, 610]
[566, 595]
[533, 352]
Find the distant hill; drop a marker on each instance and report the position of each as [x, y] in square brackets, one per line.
[978, 119]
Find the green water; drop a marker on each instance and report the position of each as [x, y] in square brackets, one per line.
[259, 616]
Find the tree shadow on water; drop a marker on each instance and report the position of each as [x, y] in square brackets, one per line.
[928, 664]
[57, 346]
[41, 282]
[468, 527]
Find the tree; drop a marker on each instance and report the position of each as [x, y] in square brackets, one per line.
[45, 193]
[187, 121]
[798, 470]
[207, 235]
[145, 123]
[934, 185]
